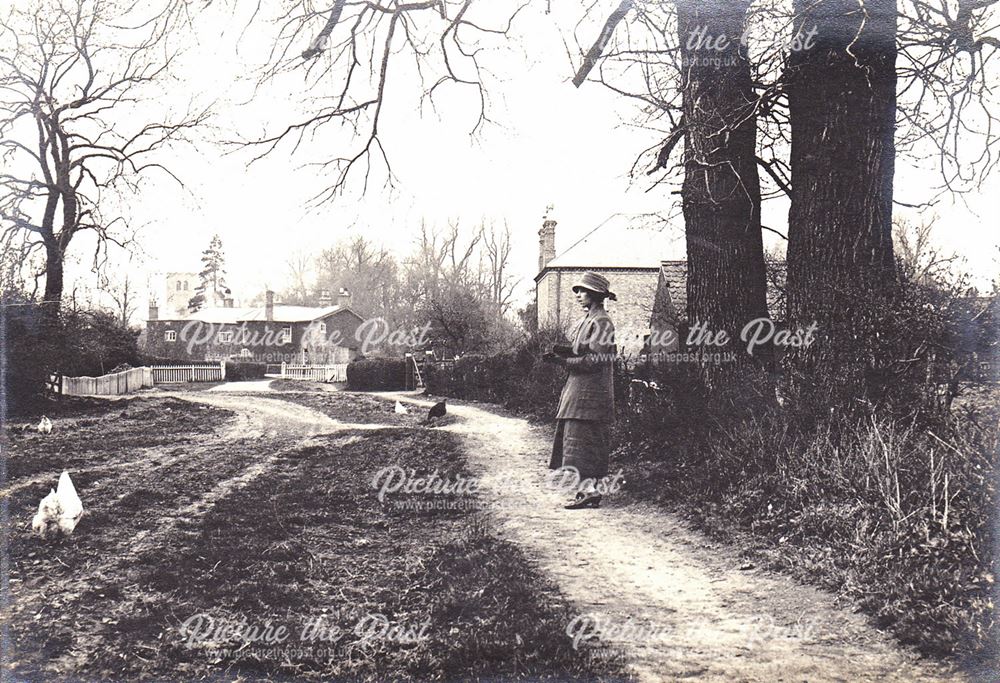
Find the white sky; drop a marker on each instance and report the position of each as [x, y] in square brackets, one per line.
[555, 144]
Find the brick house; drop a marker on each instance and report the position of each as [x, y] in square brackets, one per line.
[647, 269]
[644, 266]
[269, 334]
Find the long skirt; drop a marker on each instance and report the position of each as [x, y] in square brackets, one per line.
[583, 444]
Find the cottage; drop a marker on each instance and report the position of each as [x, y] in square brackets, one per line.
[270, 334]
[647, 270]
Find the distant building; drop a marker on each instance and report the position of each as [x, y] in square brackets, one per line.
[178, 288]
[270, 333]
[645, 266]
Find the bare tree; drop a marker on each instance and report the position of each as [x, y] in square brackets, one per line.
[839, 74]
[687, 62]
[73, 78]
[300, 272]
[123, 294]
[920, 260]
[444, 259]
[358, 46]
[946, 75]
[496, 270]
[365, 269]
[458, 279]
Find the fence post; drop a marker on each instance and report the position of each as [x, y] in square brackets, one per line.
[222, 368]
[283, 369]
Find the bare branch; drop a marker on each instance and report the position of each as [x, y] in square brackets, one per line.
[597, 49]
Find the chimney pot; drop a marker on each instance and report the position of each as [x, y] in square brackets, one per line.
[343, 298]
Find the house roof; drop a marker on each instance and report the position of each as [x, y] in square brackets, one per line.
[282, 314]
[670, 300]
[621, 242]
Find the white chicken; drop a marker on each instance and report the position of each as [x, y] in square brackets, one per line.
[401, 409]
[60, 511]
[44, 425]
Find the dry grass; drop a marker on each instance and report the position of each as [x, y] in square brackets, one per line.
[895, 516]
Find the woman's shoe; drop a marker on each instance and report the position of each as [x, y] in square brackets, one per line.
[585, 500]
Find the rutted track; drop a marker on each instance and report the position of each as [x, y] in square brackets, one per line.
[693, 613]
[625, 566]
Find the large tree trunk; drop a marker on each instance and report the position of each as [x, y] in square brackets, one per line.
[53, 282]
[842, 97]
[721, 191]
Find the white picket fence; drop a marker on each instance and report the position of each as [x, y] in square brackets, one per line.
[127, 381]
[177, 374]
[317, 373]
[115, 384]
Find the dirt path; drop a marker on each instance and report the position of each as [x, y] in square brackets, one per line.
[678, 607]
[261, 416]
[263, 385]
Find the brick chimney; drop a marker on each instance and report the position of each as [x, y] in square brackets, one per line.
[343, 298]
[547, 239]
[154, 311]
[325, 299]
[269, 306]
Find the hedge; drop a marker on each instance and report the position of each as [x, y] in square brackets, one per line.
[518, 380]
[242, 372]
[377, 374]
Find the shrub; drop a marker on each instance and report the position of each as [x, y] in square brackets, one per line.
[852, 501]
[518, 380]
[95, 342]
[239, 371]
[377, 374]
[83, 343]
[28, 357]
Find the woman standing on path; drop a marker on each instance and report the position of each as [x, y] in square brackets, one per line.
[587, 402]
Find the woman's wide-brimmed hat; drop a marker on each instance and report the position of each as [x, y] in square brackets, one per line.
[593, 282]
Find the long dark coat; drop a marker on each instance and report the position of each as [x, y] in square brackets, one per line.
[589, 393]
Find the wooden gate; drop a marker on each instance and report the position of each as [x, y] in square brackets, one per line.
[317, 373]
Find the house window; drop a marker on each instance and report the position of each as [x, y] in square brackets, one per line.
[321, 327]
[170, 335]
[286, 335]
[185, 285]
[226, 337]
[245, 353]
[178, 285]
